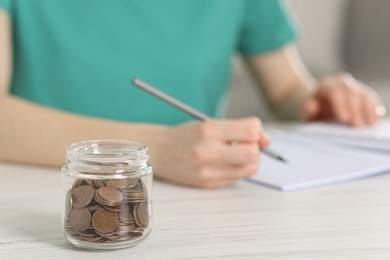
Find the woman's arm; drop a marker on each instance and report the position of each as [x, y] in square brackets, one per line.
[293, 93]
[30, 133]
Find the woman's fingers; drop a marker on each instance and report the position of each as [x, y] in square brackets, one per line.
[311, 109]
[222, 154]
[368, 110]
[347, 100]
[241, 130]
[213, 153]
[342, 108]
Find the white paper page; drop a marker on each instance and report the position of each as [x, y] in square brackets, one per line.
[372, 137]
[313, 163]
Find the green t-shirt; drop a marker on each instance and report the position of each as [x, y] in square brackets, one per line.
[80, 56]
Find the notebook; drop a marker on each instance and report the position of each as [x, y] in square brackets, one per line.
[374, 137]
[313, 163]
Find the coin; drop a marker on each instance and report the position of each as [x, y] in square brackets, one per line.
[87, 233]
[133, 182]
[77, 183]
[125, 215]
[135, 194]
[124, 228]
[137, 232]
[110, 196]
[104, 221]
[118, 184]
[94, 207]
[95, 239]
[68, 202]
[141, 214]
[89, 182]
[98, 183]
[117, 209]
[79, 219]
[82, 196]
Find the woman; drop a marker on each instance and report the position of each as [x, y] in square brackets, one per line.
[65, 68]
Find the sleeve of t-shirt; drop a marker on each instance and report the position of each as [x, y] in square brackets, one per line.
[266, 26]
[5, 5]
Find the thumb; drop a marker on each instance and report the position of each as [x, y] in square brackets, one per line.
[311, 109]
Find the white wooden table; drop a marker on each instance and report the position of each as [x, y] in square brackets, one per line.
[244, 221]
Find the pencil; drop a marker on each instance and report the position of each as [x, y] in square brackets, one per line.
[189, 110]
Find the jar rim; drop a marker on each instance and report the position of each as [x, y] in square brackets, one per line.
[107, 158]
[98, 148]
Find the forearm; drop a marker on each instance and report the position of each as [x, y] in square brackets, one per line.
[291, 106]
[285, 79]
[34, 134]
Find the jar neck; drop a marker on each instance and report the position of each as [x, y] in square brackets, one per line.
[107, 157]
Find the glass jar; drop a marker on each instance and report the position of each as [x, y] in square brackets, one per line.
[107, 187]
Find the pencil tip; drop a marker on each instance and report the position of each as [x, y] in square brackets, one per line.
[282, 159]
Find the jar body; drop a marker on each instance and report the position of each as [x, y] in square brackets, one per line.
[107, 203]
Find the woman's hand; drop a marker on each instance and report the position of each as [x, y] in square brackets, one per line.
[211, 154]
[345, 100]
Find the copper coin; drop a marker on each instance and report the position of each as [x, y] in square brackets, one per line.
[98, 183]
[87, 233]
[68, 202]
[136, 188]
[77, 183]
[124, 228]
[93, 208]
[139, 188]
[125, 215]
[94, 239]
[110, 195]
[118, 184]
[136, 193]
[133, 182]
[82, 196]
[79, 219]
[114, 208]
[141, 214]
[104, 221]
[107, 236]
[134, 199]
[89, 182]
[135, 214]
[137, 231]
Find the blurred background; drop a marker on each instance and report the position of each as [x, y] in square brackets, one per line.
[334, 36]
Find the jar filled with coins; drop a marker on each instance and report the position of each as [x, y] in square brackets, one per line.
[107, 194]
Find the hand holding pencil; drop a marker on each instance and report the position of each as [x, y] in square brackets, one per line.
[201, 154]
